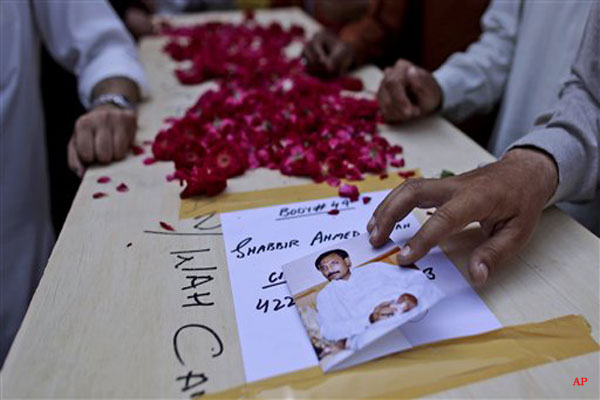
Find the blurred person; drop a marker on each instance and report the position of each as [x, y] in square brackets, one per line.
[425, 31]
[88, 39]
[514, 63]
[557, 160]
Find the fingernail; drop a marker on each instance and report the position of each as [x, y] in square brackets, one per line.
[371, 224]
[373, 233]
[481, 273]
[405, 251]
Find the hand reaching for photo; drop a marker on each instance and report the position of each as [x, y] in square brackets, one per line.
[506, 198]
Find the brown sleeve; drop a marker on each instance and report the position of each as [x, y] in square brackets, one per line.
[368, 35]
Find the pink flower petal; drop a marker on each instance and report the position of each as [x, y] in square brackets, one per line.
[122, 188]
[103, 179]
[406, 174]
[166, 226]
[137, 150]
[99, 195]
[349, 191]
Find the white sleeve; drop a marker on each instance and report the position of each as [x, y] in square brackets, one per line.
[88, 38]
[474, 80]
[331, 325]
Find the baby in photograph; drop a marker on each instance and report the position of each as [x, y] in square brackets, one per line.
[356, 300]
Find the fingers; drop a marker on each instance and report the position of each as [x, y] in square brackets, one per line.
[447, 219]
[84, 139]
[424, 88]
[103, 142]
[315, 52]
[341, 57]
[500, 246]
[424, 193]
[103, 135]
[124, 130]
[394, 102]
[73, 160]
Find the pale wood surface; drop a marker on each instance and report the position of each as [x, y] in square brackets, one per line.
[102, 321]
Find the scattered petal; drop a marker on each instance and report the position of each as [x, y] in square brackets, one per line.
[333, 181]
[383, 176]
[122, 188]
[103, 179]
[366, 199]
[99, 195]
[399, 163]
[166, 226]
[171, 177]
[149, 160]
[349, 191]
[333, 212]
[406, 174]
[137, 150]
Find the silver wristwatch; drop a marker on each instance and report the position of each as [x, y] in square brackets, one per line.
[115, 99]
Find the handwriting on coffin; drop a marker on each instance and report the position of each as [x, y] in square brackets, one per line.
[215, 351]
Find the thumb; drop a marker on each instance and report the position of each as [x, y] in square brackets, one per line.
[502, 245]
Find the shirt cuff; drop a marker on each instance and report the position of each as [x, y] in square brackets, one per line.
[553, 142]
[450, 83]
[114, 62]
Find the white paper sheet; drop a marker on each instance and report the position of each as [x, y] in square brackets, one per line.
[272, 337]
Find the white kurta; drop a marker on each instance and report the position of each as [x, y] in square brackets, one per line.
[344, 306]
[520, 61]
[87, 38]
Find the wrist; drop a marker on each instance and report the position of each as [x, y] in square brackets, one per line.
[540, 165]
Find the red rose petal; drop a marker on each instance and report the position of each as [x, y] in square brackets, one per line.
[166, 226]
[383, 176]
[397, 163]
[99, 195]
[137, 150]
[170, 177]
[333, 212]
[406, 174]
[122, 188]
[103, 179]
[366, 199]
[349, 191]
[266, 111]
[149, 161]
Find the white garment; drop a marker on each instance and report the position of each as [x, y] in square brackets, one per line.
[87, 38]
[344, 306]
[521, 60]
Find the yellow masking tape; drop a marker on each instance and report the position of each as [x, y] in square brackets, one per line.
[226, 202]
[435, 367]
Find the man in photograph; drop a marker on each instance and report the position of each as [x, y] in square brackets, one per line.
[354, 299]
